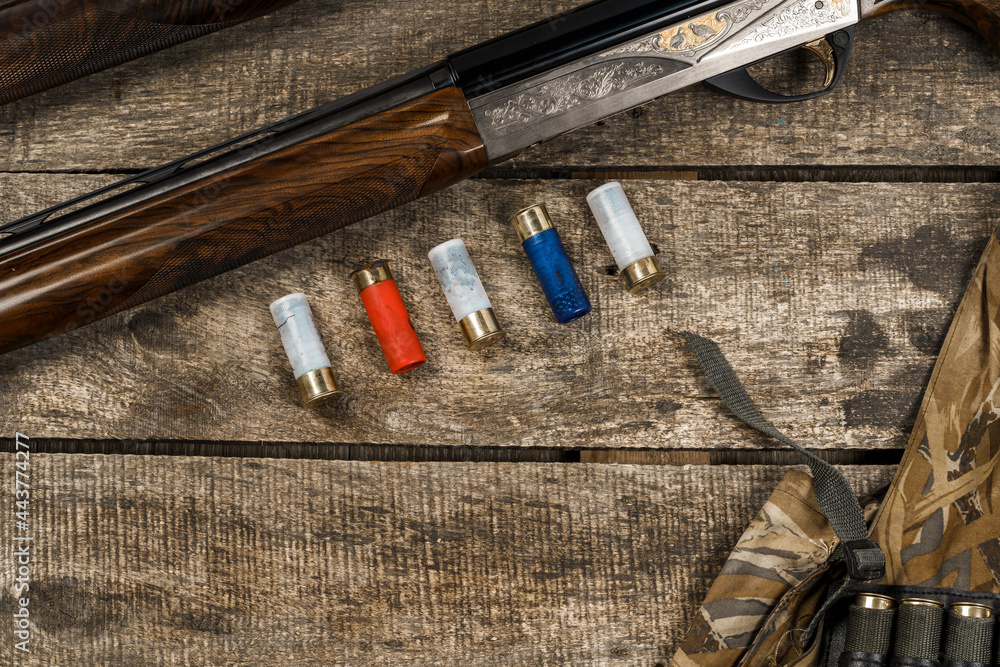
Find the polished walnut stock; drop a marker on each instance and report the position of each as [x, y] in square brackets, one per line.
[44, 43]
[248, 212]
[983, 16]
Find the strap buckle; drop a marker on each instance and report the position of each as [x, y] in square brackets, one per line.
[864, 567]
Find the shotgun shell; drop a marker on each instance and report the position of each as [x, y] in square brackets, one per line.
[548, 258]
[969, 635]
[632, 252]
[869, 624]
[996, 647]
[465, 294]
[387, 313]
[305, 350]
[918, 629]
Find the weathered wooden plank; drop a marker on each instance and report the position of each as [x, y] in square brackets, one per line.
[170, 561]
[831, 300]
[933, 104]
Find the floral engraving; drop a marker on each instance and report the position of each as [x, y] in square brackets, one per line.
[693, 35]
[794, 18]
[644, 45]
[740, 12]
[561, 95]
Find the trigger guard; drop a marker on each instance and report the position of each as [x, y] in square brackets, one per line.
[739, 83]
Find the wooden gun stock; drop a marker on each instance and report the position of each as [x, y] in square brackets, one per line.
[45, 43]
[215, 224]
[983, 16]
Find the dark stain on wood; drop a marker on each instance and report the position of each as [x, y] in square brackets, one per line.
[862, 342]
[775, 295]
[927, 258]
[879, 408]
[926, 329]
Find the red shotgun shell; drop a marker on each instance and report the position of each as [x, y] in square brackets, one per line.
[388, 316]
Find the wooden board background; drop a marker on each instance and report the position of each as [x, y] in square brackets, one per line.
[154, 560]
[834, 327]
[824, 245]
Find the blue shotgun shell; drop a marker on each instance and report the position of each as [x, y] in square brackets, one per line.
[548, 258]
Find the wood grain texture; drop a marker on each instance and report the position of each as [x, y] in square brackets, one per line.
[983, 16]
[45, 43]
[830, 299]
[24, 17]
[142, 560]
[919, 91]
[220, 222]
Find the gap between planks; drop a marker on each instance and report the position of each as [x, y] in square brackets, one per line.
[757, 173]
[449, 454]
[749, 173]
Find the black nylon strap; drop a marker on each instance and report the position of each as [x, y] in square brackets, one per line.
[899, 661]
[863, 557]
[861, 659]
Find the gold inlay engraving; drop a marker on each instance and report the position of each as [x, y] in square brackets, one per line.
[691, 35]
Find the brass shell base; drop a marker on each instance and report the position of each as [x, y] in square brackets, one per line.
[972, 609]
[481, 329]
[921, 602]
[874, 601]
[641, 274]
[372, 274]
[531, 220]
[318, 387]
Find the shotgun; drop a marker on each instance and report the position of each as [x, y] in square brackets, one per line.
[379, 148]
[44, 43]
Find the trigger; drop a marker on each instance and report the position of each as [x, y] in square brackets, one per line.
[833, 50]
[821, 47]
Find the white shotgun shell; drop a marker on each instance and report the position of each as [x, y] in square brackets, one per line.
[632, 252]
[464, 291]
[306, 354]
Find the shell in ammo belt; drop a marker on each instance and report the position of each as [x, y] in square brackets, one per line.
[869, 624]
[969, 633]
[918, 629]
